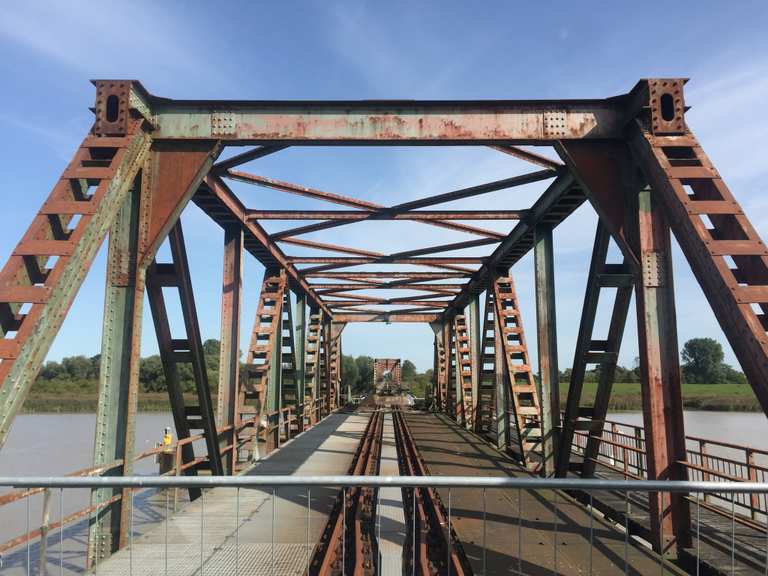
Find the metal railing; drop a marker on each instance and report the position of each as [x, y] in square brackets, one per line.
[623, 452]
[272, 485]
[277, 427]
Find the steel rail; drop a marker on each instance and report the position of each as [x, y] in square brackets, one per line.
[439, 548]
[353, 508]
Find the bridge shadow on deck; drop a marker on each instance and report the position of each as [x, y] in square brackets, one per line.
[525, 532]
[724, 547]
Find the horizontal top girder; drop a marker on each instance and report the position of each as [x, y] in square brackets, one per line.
[387, 121]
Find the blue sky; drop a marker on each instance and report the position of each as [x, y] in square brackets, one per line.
[351, 50]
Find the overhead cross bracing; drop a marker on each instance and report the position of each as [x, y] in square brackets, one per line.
[632, 157]
[359, 294]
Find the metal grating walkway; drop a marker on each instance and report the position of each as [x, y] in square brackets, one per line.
[254, 532]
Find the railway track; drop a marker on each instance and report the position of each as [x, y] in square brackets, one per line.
[348, 542]
[434, 548]
[348, 545]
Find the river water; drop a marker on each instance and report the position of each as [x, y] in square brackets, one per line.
[744, 428]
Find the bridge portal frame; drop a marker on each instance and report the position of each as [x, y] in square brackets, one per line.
[632, 157]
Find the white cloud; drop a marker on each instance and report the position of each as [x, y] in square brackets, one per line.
[727, 117]
[108, 38]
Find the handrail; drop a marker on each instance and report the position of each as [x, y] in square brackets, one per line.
[622, 449]
[524, 482]
[97, 471]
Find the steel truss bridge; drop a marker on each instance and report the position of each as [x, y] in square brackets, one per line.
[631, 157]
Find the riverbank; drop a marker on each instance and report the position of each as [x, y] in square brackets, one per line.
[712, 397]
[625, 397]
[70, 402]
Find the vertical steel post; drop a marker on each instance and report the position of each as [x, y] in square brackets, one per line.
[660, 374]
[475, 345]
[275, 383]
[229, 355]
[300, 338]
[326, 373]
[458, 395]
[438, 329]
[549, 375]
[502, 387]
[119, 373]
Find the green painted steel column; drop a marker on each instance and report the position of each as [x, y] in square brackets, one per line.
[119, 377]
[229, 355]
[31, 354]
[475, 344]
[549, 376]
[660, 374]
[300, 340]
[502, 377]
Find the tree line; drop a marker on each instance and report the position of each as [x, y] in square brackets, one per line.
[702, 363]
[357, 372]
[82, 373]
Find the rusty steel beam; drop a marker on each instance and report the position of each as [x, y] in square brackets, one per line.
[215, 198]
[546, 332]
[529, 156]
[452, 267]
[359, 215]
[477, 190]
[386, 259]
[660, 375]
[562, 197]
[385, 302]
[420, 297]
[385, 274]
[459, 194]
[330, 247]
[418, 252]
[244, 157]
[445, 247]
[343, 295]
[727, 256]
[30, 277]
[344, 201]
[229, 353]
[385, 317]
[300, 190]
[400, 122]
[325, 225]
[114, 434]
[328, 288]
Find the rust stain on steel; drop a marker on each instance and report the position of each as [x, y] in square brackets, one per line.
[449, 126]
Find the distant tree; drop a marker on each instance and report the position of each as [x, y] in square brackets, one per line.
[151, 375]
[349, 373]
[78, 368]
[211, 347]
[51, 370]
[703, 361]
[732, 376]
[364, 372]
[408, 371]
[626, 375]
